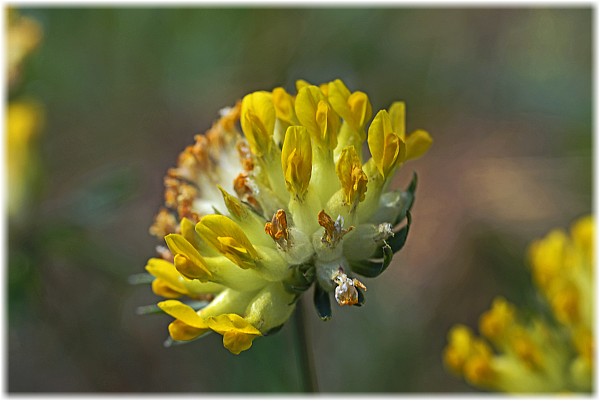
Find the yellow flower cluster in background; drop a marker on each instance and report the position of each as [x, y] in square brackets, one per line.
[253, 220]
[24, 116]
[24, 119]
[535, 356]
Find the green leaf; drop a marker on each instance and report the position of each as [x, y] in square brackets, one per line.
[169, 342]
[399, 239]
[322, 303]
[148, 310]
[408, 200]
[299, 278]
[361, 297]
[141, 278]
[373, 268]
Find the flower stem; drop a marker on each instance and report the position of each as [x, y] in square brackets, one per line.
[305, 356]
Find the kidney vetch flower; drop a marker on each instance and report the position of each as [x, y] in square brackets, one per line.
[253, 220]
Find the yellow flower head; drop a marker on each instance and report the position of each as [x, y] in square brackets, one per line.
[538, 356]
[274, 199]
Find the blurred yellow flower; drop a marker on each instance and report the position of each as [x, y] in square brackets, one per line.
[24, 120]
[22, 37]
[253, 220]
[537, 356]
[24, 117]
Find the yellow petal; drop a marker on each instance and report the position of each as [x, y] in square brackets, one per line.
[170, 281]
[387, 149]
[166, 272]
[284, 106]
[231, 322]
[189, 233]
[352, 177]
[582, 233]
[23, 123]
[494, 323]
[355, 108]
[360, 108]
[458, 349]
[184, 313]
[237, 342]
[237, 333]
[238, 253]
[163, 289]
[296, 160]
[328, 123]
[478, 370]
[180, 331]
[233, 204]
[229, 239]
[189, 269]
[547, 256]
[258, 121]
[398, 118]
[307, 102]
[338, 95]
[417, 144]
[325, 89]
[379, 127]
[394, 152]
[300, 83]
[193, 264]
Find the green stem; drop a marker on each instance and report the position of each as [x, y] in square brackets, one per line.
[305, 356]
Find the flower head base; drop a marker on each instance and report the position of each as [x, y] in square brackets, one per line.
[252, 220]
[536, 356]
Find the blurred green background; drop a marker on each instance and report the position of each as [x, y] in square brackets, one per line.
[505, 93]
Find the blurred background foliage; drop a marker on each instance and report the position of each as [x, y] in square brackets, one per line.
[505, 93]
